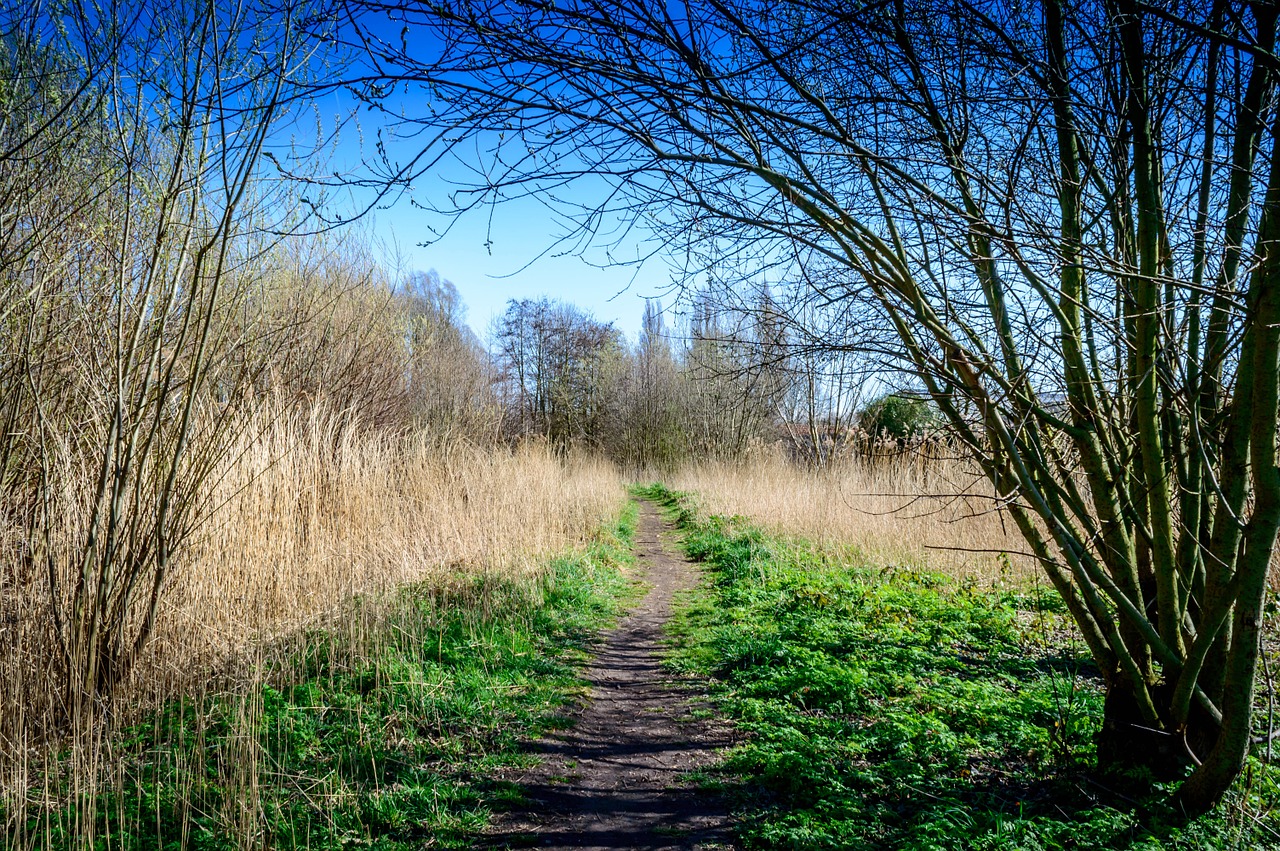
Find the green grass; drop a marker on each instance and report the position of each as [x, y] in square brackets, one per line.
[894, 708]
[388, 736]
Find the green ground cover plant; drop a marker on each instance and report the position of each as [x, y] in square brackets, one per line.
[385, 733]
[890, 707]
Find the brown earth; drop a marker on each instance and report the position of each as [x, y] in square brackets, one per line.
[618, 777]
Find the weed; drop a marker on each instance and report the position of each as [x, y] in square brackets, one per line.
[390, 739]
[896, 708]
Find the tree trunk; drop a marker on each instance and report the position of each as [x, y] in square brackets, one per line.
[1127, 745]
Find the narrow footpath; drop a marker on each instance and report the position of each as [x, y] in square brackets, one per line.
[616, 779]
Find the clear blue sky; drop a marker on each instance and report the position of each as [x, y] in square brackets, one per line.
[490, 254]
[516, 264]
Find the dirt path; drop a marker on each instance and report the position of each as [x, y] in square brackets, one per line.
[615, 779]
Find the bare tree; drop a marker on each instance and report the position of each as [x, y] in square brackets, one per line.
[733, 363]
[558, 363]
[1065, 213]
[832, 352]
[131, 162]
[452, 377]
[647, 431]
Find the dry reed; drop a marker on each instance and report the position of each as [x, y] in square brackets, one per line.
[318, 510]
[907, 510]
[313, 509]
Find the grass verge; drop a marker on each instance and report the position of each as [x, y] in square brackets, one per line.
[384, 731]
[893, 708]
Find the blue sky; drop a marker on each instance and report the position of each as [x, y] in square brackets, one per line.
[491, 254]
[516, 264]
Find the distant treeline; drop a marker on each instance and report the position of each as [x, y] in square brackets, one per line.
[723, 381]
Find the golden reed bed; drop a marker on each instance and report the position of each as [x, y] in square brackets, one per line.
[907, 510]
[313, 510]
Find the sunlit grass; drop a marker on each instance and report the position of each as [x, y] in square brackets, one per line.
[894, 707]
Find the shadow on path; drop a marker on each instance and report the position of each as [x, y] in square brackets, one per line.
[615, 780]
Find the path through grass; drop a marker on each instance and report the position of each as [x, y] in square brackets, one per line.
[384, 734]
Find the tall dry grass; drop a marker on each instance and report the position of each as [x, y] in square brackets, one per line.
[312, 510]
[913, 509]
[318, 510]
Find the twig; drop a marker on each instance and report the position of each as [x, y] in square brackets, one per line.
[1267, 739]
[1271, 702]
[1110, 791]
[984, 550]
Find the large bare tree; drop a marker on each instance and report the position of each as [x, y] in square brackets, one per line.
[1066, 212]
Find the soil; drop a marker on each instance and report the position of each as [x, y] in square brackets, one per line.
[618, 778]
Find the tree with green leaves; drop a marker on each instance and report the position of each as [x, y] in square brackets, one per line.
[896, 416]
